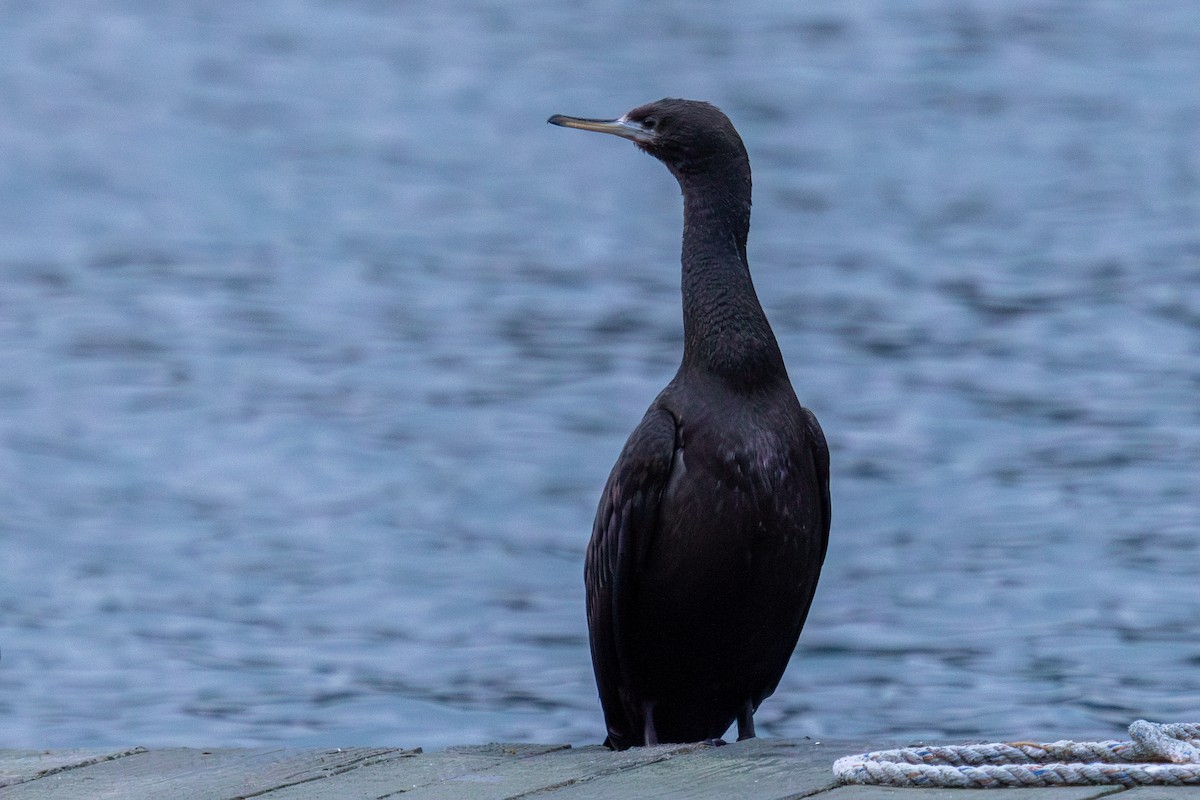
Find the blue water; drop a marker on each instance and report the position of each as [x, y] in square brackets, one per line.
[316, 345]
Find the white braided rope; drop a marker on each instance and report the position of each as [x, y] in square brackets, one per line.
[1166, 754]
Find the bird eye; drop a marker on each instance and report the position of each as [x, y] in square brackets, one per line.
[649, 123]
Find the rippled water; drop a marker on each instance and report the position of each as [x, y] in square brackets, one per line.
[316, 345]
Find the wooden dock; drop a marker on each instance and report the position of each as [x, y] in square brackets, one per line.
[760, 769]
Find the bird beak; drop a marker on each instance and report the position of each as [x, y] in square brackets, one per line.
[617, 127]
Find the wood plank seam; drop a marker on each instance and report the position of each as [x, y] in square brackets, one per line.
[813, 792]
[510, 751]
[377, 756]
[1107, 792]
[617, 770]
[135, 751]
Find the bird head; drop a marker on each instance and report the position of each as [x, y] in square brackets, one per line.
[689, 136]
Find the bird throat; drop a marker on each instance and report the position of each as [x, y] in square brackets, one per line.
[726, 333]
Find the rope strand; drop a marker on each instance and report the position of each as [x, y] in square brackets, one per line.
[1165, 754]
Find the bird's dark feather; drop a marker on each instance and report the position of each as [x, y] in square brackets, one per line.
[625, 524]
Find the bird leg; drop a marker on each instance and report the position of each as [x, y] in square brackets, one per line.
[746, 722]
[649, 734]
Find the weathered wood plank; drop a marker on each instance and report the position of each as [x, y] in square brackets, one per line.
[18, 766]
[199, 774]
[757, 769]
[762, 769]
[1161, 793]
[519, 777]
[395, 777]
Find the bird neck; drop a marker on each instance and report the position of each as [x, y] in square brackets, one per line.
[726, 333]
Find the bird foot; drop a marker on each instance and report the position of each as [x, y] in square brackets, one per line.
[713, 742]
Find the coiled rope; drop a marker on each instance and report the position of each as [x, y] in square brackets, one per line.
[1166, 754]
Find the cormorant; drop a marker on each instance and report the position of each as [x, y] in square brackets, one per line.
[713, 525]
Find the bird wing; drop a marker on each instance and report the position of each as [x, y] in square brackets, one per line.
[626, 523]
[818, 450]
[820, 453]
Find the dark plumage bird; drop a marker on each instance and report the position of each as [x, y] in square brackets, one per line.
[713, 525]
